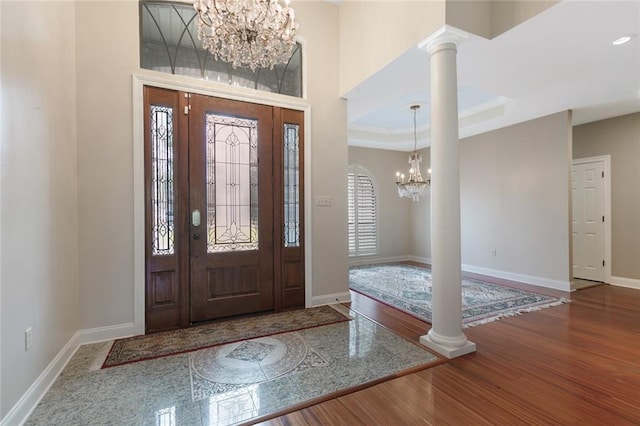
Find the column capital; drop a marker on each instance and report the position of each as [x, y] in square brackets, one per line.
[444, 37]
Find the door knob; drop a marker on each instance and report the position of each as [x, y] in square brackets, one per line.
[196, 236]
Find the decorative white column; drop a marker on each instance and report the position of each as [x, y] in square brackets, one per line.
[445, 336]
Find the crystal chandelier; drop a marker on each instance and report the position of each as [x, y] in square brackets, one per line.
[247, 33]
[414, 187]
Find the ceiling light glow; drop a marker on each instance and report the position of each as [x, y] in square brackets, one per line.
[621, 40]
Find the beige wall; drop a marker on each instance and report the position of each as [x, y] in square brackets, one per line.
[374, 33]
[490, 18]
[319, 27]
[393, 213]
[39, 237]
[473, 16]
[620, 138]
[515, 199]
[67, 172]
[507, 14]
[107, 56]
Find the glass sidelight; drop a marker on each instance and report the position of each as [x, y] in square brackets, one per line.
[291, 185]
[162, 166]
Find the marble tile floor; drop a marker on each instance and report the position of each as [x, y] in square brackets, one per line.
[228, 384]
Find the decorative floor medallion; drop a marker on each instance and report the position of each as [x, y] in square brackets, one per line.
[233, 366]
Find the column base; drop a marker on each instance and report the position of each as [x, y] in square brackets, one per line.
[448, 351]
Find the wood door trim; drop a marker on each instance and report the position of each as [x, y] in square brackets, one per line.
[278, 215]
[289, 261]
[173, 312]
[180, 102]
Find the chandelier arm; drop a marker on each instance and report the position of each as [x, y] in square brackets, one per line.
[215, 6]
[262, 15]
[415, 130]
[285, 23]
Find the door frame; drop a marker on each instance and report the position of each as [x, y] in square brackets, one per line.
[202, 87]
[606, 193]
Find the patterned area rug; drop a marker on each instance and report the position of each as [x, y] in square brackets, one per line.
[156, 345]
[408, 288]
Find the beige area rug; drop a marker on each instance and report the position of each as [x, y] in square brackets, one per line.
[156, 345]
[408, 288]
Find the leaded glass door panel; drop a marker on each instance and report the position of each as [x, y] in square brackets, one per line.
[231, 204]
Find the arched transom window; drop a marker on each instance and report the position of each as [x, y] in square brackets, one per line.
[169, 43]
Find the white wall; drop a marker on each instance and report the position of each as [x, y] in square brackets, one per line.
[394, 213]
[515, 199]
[39, 240]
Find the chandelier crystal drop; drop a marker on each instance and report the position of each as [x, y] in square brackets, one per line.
[414, 187]
[247, 33]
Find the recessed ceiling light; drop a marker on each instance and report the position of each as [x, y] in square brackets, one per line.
[622, 40]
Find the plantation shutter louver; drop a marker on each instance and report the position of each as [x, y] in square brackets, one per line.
[361, 213]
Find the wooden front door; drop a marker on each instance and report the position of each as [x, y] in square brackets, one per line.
[224, 221]
[231, 201]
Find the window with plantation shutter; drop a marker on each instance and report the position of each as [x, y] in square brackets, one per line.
[363, 227]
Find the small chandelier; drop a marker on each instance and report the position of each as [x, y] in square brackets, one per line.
[247, 33]
[414, 187]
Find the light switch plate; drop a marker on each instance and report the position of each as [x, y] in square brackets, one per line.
[324, 201]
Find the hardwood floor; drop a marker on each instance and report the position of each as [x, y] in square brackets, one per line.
[578, 363]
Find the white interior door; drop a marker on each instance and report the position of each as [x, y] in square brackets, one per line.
[588, 220]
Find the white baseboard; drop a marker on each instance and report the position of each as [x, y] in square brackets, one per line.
[374, 260]
[522, 278]
[101, 334]
[419, 259]
[327, 299]
[496, 273]
[25, 405]
[625, 282]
